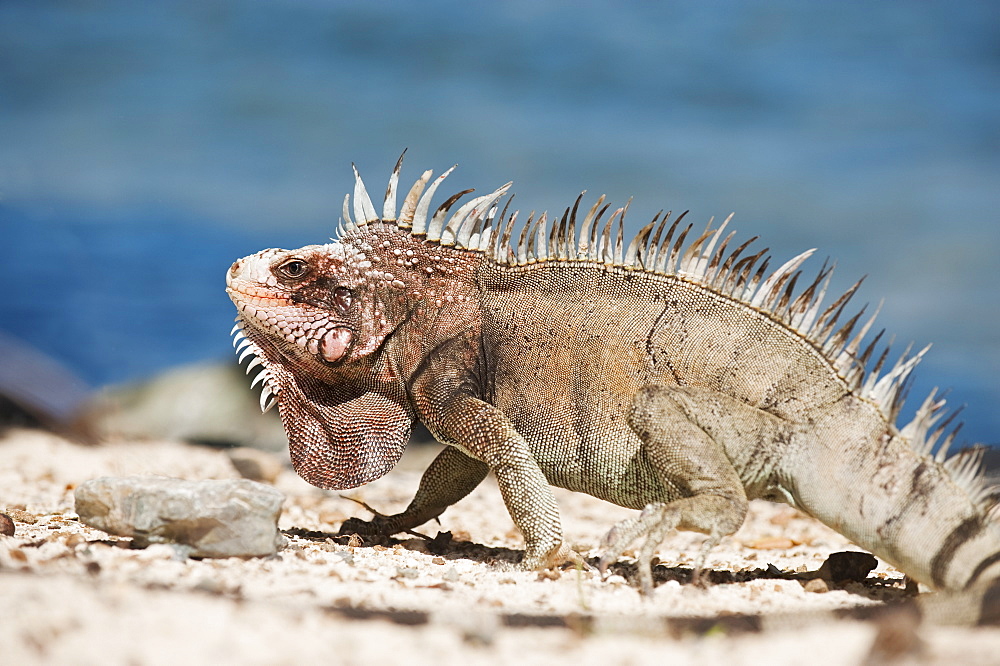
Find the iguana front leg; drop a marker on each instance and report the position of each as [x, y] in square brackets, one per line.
[491, 443]
[451, 476]
[703, 490]
[485, 433]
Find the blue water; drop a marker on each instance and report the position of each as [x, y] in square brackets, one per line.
[144, 146]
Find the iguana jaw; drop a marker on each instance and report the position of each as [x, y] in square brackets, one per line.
[329, 344]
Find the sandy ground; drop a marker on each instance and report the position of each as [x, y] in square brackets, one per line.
[70, 594]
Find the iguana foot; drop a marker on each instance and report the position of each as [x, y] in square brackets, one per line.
[654, 522]
[364, 527]
[557, 556]
[379, 525]
[700, 575]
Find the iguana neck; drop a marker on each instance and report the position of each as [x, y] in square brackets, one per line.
[428, 292]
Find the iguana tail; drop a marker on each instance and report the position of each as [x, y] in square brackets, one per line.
[933, 516]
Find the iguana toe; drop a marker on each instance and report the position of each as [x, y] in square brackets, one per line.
[557, 556]
[653, 523]
[365, 527]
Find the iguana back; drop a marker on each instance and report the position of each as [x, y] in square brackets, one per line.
[572, 375]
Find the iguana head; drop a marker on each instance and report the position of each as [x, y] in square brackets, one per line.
[318, 320]
[320, 306]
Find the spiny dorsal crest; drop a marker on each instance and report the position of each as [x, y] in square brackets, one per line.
[659, 249]
[467, 228]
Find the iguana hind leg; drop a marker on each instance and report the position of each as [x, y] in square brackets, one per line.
[703, 492]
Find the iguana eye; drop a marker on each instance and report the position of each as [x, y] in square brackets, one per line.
[343, 298]
[293, 268]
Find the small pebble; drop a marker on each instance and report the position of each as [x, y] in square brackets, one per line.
[418, 545]
[22, 516]
[74, 540]
[898, 639]
[816, 585]
[771, 543]
[210, 585]
[6, 525]
[255, 464]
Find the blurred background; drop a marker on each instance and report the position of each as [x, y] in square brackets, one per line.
[145, 146]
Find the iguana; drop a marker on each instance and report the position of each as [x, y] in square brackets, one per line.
[678, 378]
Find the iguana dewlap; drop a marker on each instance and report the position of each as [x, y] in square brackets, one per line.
[677, 374]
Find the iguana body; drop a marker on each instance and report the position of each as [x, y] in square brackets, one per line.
[680, 378]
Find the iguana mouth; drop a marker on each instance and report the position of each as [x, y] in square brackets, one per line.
[331, 345]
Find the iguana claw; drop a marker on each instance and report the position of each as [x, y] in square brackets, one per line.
[363, 527]
[654, 522]
[557, 557]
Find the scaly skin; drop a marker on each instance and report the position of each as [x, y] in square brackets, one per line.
[680, 380]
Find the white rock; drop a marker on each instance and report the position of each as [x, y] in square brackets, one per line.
[233, 518]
